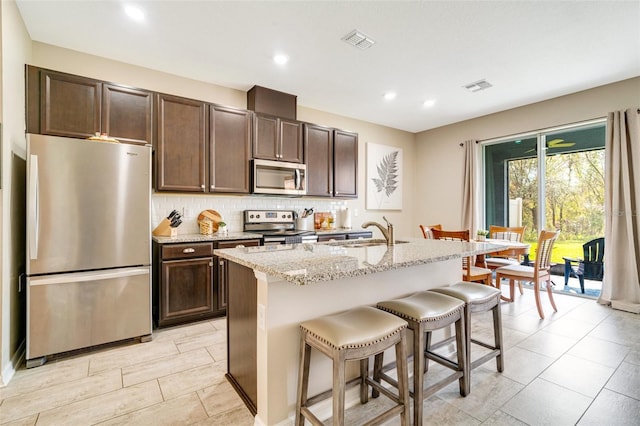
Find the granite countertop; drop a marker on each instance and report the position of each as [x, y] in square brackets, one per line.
[199, 238]
[310, 263]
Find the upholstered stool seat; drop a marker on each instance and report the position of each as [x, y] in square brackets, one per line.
[355, 334]
[426, 312]
[479, 298]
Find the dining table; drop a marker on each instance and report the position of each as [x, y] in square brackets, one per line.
[508, 248]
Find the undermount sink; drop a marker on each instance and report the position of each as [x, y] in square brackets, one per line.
[364, 243]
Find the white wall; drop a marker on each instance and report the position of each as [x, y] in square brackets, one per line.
[16, 50]
[440, 159]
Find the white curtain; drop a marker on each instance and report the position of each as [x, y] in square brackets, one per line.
[621, 283]
[470, 204]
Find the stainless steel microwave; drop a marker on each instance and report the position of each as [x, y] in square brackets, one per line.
[279, 178]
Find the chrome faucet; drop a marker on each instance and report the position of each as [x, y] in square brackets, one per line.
[386, 233]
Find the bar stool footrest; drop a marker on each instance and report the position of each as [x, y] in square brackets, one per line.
[378, 387]
[381, 418]
[485, 358]
[442, 360]
[440, 385]
[311, 417]
[483, 344]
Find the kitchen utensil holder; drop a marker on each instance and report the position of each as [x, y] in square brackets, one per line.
[164, 229]
[305, 223]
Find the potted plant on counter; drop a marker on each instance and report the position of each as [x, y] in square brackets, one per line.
[222, 228]
[481, 234]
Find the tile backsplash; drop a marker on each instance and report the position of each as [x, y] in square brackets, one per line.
[231, 208]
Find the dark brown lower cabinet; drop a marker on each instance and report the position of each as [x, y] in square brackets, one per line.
[345, 236]
[186, 290]
[242, 334]
[331, 237]
[183, 283]
[221, 282]
[189, 282]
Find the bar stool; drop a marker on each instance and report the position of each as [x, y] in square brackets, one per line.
[355, 334]
[426, 312]
[478, 298]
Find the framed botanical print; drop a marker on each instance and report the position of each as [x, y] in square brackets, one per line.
[384, 177]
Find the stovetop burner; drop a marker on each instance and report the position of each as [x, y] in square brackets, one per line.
[276, 226]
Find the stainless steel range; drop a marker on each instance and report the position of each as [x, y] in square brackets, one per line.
[277, 227]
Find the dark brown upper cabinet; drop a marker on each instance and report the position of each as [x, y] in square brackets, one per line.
[345, 164]
[181, 144]
[69, 105]
[318, 154]
[230, 149]
[272, 102]
[276, 138]
[331, 157]
[73, 106]
[127, 113]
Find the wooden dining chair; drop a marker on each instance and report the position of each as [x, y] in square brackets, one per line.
[426, 230]
[539, 272]
[470, 272]
[498, 260]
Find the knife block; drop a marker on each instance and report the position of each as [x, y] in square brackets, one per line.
[164, 229]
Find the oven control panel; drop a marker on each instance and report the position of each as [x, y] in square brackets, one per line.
[268, 216]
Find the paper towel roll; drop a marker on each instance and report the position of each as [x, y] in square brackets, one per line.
[346, 218]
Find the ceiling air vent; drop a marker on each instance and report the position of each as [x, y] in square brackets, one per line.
[478, 86]
[359, 40]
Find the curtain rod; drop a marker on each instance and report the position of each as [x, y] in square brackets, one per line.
[462, 144]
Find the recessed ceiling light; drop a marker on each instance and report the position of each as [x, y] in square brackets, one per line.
[389, 96]
[280, 59]
[429, 103]
[134, 12]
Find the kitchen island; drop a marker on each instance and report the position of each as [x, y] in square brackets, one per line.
[272, 289]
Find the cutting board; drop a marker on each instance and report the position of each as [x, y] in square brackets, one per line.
[212, 215]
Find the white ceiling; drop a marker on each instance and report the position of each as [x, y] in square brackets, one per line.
[528, 50]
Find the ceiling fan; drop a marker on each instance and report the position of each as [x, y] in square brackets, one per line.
[555, 143]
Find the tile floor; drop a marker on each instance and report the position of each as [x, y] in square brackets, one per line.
[578, 366]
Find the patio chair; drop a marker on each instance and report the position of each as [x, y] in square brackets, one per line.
[590, 267]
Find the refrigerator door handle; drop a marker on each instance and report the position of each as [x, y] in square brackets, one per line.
[88, 276]
[34, 209]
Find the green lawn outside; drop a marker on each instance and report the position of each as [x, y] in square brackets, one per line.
[560, 249]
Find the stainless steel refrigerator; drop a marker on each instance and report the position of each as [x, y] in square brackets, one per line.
[88, 244]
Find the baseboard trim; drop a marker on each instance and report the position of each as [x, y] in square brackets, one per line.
[624, 305]
[16, 360]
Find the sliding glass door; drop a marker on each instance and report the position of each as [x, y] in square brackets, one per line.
[548, 180]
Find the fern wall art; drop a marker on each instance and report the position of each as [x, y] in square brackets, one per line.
[384, 177]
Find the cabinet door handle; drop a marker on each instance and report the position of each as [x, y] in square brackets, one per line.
[202, 186]
[221, 273]
[189, 250]
[213, 187]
